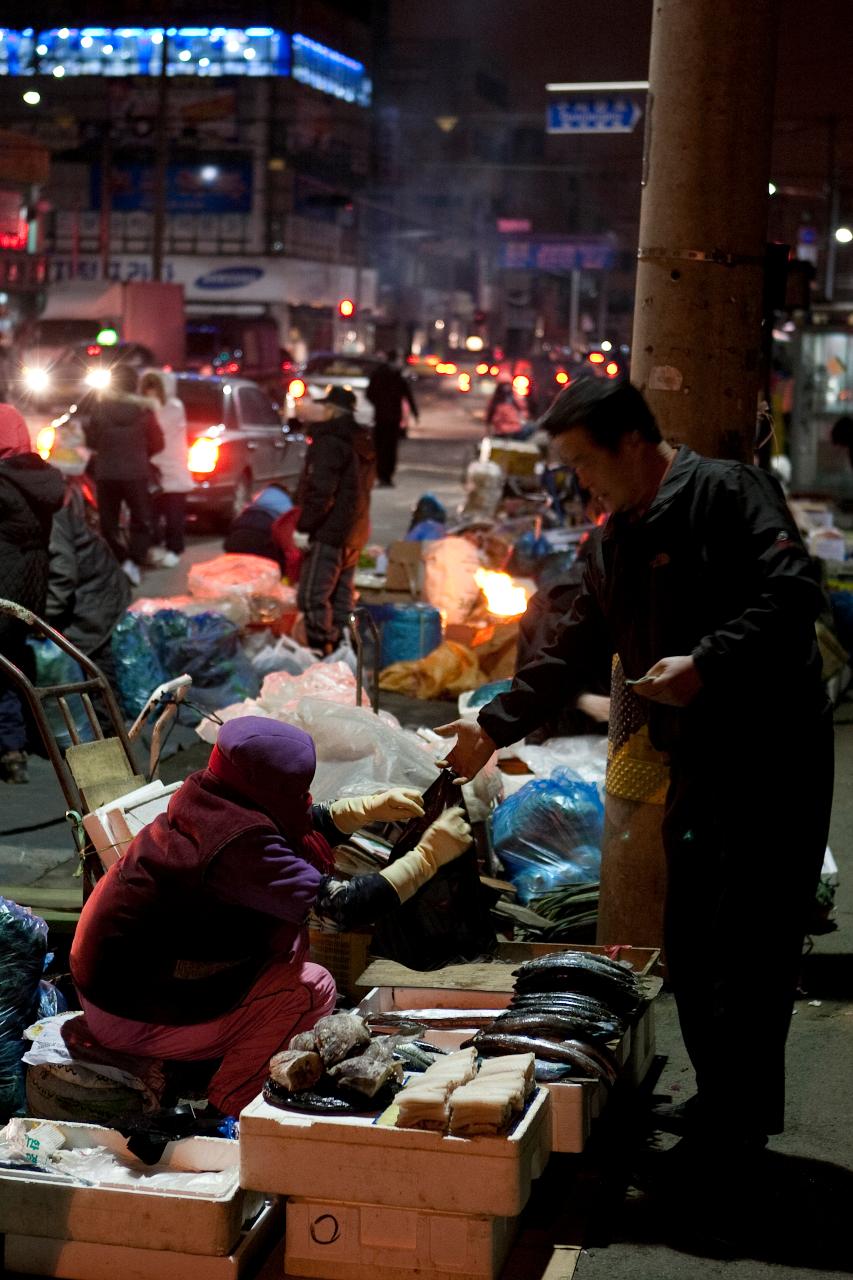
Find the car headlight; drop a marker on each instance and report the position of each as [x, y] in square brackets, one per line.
[36, 379]
[98, 379]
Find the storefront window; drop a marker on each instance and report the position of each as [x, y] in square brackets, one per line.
[137, 51]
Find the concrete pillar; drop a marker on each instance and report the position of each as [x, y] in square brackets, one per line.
[703, 220]
[697, 332]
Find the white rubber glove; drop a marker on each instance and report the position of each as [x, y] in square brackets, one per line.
[446, 839]
[396, 805]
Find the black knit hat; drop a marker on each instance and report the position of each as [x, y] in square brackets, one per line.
[343, 397]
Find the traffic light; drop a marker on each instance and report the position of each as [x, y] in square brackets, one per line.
[346, 308]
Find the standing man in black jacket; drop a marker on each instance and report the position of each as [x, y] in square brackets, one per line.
[388, 390]
[701, 584]
[124, 433]
[334, 496]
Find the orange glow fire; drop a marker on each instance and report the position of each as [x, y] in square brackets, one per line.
[504, 598]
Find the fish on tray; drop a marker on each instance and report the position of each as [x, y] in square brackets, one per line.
[339, 1035]
[568, 1052]
[367, 1073]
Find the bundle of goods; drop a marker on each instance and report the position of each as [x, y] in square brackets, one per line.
[252, 580]
[338, 1068]
[452, 1096]
[565, 1009]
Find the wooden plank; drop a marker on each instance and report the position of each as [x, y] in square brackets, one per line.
[564, 1260]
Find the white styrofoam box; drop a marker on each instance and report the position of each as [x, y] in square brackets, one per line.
[575, 1104]
[642, 1048]
[353, 1158]
[331, 1238]
[90, 1260]
[49, 1204]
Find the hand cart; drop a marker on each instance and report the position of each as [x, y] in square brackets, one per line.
[90, 773]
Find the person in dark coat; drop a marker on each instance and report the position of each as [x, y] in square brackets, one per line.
[87, 593]
[389, 391]
[30, 492]
[334, 518]
[124, 433]
[194, 944]
[701, 584]
[265, 527]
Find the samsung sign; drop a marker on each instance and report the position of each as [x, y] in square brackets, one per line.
[229, 278]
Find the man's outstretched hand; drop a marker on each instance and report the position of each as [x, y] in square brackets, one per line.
[474, 748]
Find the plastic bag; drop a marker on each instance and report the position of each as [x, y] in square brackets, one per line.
[54, 666]
[449, 568]
[151, 648]
[284, 654]
[252, 580]
[585, 754]
[234, 608]
[448, 919]
[23, 947]
[451, 668]
[549, 833]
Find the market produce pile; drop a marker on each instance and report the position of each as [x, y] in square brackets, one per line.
[565, 1008]
[453, 1096]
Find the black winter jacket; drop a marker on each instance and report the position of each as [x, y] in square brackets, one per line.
[386, 391]
[30, 491]
[715, 568]
[124, 433]
[334, 491]
[87, 593]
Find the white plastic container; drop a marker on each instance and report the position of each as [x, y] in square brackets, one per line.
[50, 1205]
[352, 1158]
[87, 1260]
[372, 1242]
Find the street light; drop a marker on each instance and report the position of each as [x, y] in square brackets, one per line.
[844, 235]
[32, 97]
[771, 188]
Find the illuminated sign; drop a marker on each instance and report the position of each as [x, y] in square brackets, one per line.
[328, 71]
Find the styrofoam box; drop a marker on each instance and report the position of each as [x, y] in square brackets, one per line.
[364, 1241]
[88, 1260]
[575, 1104]
[352, 1158]
[47, 1204]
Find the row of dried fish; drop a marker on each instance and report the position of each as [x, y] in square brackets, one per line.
[585, 973]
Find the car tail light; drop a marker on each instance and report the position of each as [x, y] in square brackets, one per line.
[93, 349]
[45, 441]
[611, 369]
[203, 456]
[595, 357]
[445, 366]
[494, 370]
[464, 382]
[297, 388]
[562, 378]
[482, 368]
[521, 384]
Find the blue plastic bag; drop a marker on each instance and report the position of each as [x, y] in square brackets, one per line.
[54, 666]
[151, 648]
[23, 947]
[549, 833]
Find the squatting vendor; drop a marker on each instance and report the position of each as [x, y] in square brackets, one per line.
[193, 945]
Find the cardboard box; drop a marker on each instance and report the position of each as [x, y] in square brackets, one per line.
[87, 1260]
[48, 1204]
[406, 567]
[354, 1159]
[362, 1241]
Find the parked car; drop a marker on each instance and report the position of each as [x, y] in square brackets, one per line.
[79, 369]
[235, 441]
[327, 370]
[240, 346]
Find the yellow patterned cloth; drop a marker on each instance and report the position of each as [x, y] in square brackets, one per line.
[635, 769]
